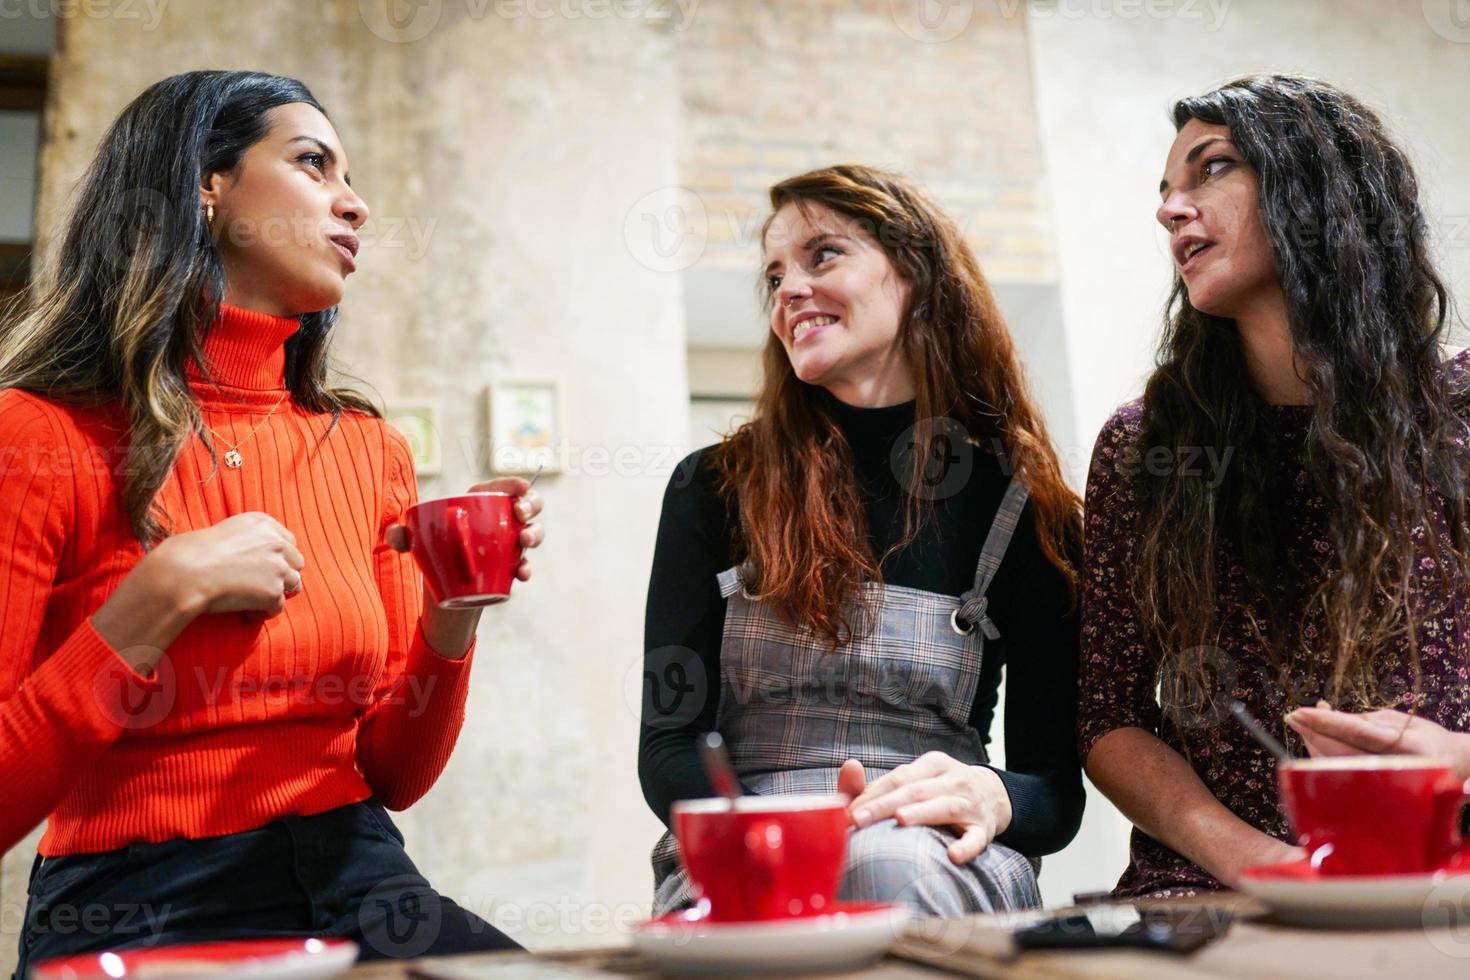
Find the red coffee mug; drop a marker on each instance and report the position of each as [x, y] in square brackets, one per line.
[1375, 814]
[767, 857]
[468, 547]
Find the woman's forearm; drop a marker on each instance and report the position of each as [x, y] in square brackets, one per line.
[146, 613]
[1160, 792]
[449, 632]
[1046, 810]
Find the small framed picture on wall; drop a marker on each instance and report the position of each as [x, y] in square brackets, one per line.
[419, 420]
[525, 426]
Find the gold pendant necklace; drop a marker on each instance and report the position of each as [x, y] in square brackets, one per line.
[233, 459]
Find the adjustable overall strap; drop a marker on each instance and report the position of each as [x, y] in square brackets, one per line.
[974, 604]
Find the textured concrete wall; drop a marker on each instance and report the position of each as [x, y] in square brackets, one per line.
[524, 143]
[500, 154]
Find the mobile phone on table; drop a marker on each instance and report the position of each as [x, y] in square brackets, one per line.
[1173, 928]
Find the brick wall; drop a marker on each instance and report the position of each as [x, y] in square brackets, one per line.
[771, 89]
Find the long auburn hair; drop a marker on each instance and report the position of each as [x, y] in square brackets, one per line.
[138, 279]
[1340, 205]
[789, 471]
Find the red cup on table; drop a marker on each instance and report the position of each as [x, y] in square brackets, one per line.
[759, 858]
[468, 547]
[1376, 814]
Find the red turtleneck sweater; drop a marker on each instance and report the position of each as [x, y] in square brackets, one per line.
[337, 699]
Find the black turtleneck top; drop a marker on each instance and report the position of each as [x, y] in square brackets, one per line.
[1029, 603]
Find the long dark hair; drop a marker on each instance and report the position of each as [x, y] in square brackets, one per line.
[138, 280]
[1340, 204]
[789, 470]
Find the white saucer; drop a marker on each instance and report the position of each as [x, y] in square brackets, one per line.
[853, 936]
[1294, 892]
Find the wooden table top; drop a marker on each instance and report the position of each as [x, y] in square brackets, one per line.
[1254, 947]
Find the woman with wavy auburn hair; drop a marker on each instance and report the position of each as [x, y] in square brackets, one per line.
[1321, 556]
[218, 671]
[838, 584]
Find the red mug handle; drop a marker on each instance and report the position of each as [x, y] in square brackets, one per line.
[1453, 797]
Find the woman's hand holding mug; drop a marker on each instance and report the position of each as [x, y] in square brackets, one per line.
[450, 631]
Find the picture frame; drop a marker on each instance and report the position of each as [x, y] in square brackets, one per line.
[525, 425]
[421, 422]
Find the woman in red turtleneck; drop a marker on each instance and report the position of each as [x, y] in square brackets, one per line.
[215, 673]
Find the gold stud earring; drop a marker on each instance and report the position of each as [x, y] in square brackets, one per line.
[209, 214]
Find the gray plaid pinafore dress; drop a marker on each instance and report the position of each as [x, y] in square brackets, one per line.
[792, 711]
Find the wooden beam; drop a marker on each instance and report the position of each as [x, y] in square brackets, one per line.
[15, 263]
[23, 82]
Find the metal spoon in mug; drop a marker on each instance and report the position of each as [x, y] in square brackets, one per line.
[1242, 714]
[718, 768]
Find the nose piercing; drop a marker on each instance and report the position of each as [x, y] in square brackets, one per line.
[788, 301]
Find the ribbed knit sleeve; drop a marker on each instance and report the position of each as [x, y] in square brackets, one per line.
[409, 732]
[57, 716]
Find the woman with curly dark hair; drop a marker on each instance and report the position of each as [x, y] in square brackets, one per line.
[838, 584]
[1281, 519]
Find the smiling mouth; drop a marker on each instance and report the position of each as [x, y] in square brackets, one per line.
[809, 324]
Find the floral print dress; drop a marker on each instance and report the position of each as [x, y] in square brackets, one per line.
[1120, 671]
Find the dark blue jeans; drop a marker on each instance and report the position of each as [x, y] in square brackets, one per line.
[339, 874]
